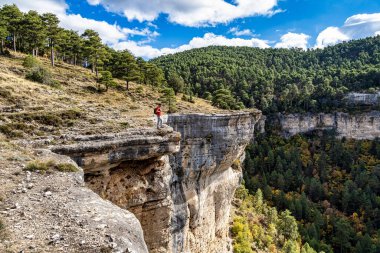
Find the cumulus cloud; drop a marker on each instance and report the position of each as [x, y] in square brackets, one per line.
[293, 40]
[237, 32]
[190, 13]
[42, 6]
[208, 39]
[355, 27]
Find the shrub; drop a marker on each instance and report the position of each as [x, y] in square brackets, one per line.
[38, 165]
[106, 79]
[7, 53]
[66, 167]
[31, 62]
[40, 75]
[139, 89]
[15, 129]
[49, 166]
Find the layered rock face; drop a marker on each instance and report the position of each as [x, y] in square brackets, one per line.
[206, 173]
[356, 126]
[132, 170]
[179, 183]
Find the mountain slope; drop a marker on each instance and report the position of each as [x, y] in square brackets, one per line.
[281, 79]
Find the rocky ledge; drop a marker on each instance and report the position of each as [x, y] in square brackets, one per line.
[180, 188]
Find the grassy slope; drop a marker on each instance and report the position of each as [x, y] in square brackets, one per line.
[30, 110]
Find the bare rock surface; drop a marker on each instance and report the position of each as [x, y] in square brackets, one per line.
[55, 212]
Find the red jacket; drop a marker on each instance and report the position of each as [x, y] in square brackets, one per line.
[158, 111]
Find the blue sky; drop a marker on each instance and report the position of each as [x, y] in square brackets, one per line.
[154, 27]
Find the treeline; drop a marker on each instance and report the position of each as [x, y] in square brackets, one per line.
[279, 80]
[331, 186]
[40, 35]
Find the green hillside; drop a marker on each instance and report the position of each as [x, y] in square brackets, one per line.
[279, 80]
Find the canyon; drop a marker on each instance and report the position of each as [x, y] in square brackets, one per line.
[178, 181]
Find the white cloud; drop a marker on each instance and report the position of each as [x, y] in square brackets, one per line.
[355, 27]
[42, 6]
[330, 36]
[207, 40]
[190, 13]
[293, 40]
[237, 32]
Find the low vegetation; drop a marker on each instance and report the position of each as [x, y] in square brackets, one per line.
[49, 166]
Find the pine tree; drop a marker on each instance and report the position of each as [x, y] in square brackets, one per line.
[93, 49]
[33, 32]
[12, 17]
[51, 24]
[168, 98]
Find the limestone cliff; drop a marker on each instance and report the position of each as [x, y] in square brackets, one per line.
[206, 173]
[179, 183]
[363, 125]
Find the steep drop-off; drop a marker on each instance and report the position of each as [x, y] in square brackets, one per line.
[179, 184]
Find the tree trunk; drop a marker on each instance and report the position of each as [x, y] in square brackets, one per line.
[96, 66]
[2, 46]
[14, 42]
[127, 85]
[75, 59]
[52, 54]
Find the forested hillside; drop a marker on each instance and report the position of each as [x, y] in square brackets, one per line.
[40, 35]
[278, 80]
[331, 186]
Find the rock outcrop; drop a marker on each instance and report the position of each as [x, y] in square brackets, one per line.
[367, 99]
[206, 174]
[179, 186]
[364, 125]
[55, 212]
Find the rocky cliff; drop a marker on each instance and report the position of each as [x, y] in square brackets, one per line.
[179, 183]
[206, 173]
[364, 125]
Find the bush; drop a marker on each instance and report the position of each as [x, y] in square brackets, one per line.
[40, 75]
[49, 166]
[106, 79]
[15, 130]
[39, 166]
[140, 89]
[7, 53]
[66, 167]
[31, 62]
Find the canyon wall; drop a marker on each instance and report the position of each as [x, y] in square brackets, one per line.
[178, 183]
[362, 125]
[206, 173]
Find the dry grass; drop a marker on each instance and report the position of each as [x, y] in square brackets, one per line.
[40, 109]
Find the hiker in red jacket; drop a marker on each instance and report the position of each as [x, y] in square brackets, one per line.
[158, 113]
